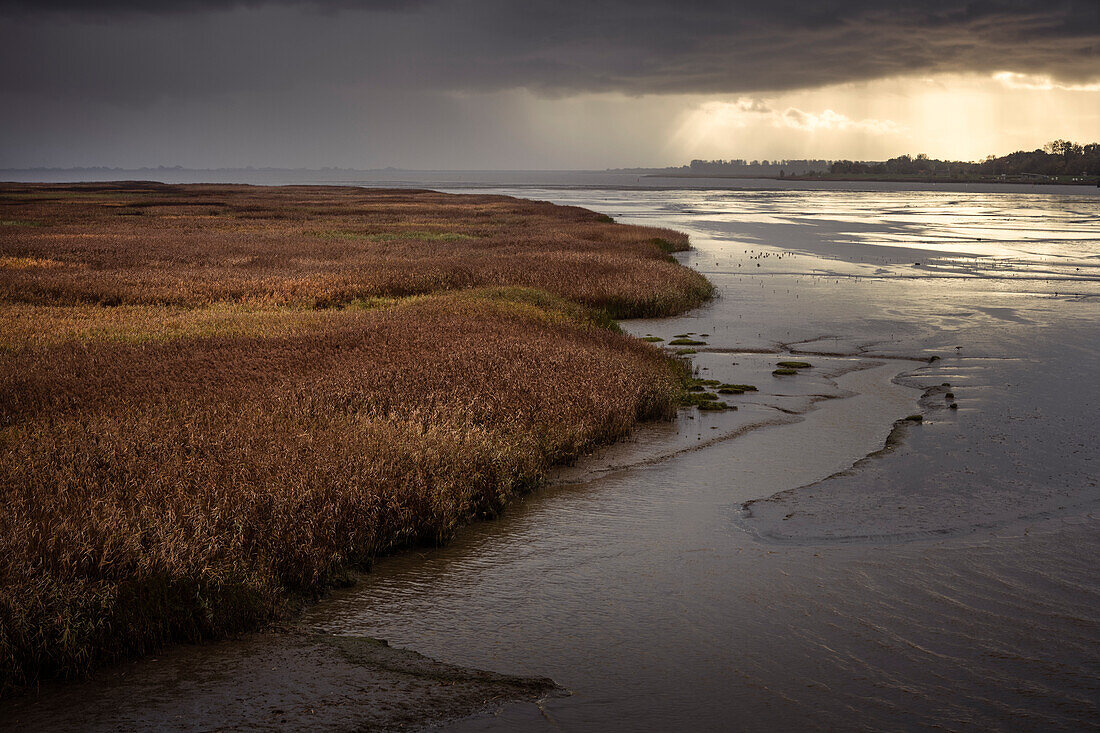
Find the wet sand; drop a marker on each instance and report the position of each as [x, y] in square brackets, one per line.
[755, 569]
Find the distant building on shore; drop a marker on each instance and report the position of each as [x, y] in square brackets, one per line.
[738, 167]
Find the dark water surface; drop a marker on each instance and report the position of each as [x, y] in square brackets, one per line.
[950, 583]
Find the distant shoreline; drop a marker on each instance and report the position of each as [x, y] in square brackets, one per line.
[457, 179]
[1093, 181]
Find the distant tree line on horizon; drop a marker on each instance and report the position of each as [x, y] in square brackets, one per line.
[759, 167]
[1055, 159]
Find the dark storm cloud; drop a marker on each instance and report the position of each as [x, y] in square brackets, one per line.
[152, 7]
[130, 50]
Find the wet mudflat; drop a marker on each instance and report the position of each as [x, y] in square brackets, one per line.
[758, 582]
[753, 569]
[279, 681]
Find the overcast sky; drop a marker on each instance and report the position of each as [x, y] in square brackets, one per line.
[534, 84]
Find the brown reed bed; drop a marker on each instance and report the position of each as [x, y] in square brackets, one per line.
[209, 412]
[321, 247]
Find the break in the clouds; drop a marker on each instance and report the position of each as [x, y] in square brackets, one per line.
[383, 81]
[749, 112]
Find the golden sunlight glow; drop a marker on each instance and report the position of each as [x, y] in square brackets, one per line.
[953, 116]
[1012, 80]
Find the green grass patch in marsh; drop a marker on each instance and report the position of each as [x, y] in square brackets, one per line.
[28, 263]
[723, 388]
[697, 393]
[538, 304]
[652, 339]
[60, 195]
[685, 352]
[29, 327]
[784, 372]
[366, 304]
[686, 342]
[794, 364]
[421, 236]
[704, 401]
[668, 246]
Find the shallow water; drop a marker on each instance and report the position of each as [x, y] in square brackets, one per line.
[949, 582]
[755, 569]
